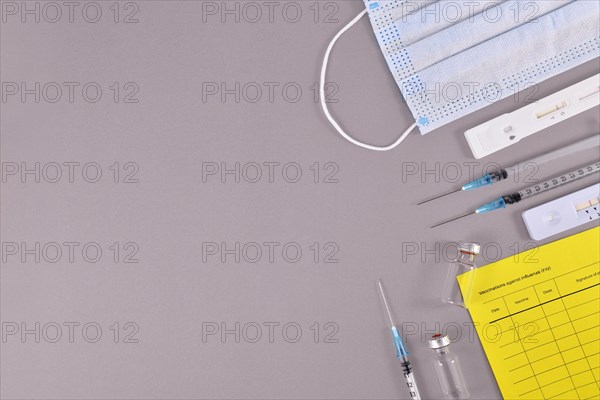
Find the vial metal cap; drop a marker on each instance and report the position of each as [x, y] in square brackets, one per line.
[470, 248]
[438, 341]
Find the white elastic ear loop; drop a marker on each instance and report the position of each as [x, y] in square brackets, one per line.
[323, 99]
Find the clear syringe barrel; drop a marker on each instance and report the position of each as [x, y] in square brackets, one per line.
[557, 181]
[409, 376]
[557, 154]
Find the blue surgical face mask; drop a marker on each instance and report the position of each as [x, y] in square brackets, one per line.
[451, 58]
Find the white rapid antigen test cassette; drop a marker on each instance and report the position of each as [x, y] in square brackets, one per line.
[564, 213]
[508, 129]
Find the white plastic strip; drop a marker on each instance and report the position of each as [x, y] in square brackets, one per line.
[509, 129]
[564, 213]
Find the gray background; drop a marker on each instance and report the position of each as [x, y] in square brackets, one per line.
[370, 213]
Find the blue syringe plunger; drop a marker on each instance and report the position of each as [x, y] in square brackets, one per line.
[401, 351]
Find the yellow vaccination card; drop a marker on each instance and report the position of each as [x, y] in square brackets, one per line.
[537, 315]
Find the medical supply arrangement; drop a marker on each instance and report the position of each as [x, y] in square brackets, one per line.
[515, 170]
[446, 364]
[545, 314]
[492, 58]
[537, 321]
[538, 188]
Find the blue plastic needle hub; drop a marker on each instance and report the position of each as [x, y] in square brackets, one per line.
[491, 206]
[485, 180]
[399, 343]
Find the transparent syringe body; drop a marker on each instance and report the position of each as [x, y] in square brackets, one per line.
[409, 376]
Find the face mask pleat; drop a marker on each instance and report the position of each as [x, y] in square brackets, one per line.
[421, 21]
[492, 68]
[456, 38]
[511, 52]
[389, 11]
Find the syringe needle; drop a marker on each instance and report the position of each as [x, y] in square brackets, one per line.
[401, 351]
[513, 198]
[387, 307]
[439, 196]
[450, 220]
[502, 174]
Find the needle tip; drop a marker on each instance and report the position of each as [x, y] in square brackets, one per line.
[439, 196]
[451, 220]
[387, 307]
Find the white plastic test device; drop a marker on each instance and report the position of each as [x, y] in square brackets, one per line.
[564, 213]
[510, 128]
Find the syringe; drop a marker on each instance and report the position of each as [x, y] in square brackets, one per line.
[401, 351]
[513, 198]
[505, 173]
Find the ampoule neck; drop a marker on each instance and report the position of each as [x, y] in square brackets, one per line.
[443, 350]
[466, 258]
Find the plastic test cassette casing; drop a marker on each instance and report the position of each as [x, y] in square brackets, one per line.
[508, 129]
[564, 213]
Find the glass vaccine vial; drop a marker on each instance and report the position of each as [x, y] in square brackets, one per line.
[447, 369]
[465, 262]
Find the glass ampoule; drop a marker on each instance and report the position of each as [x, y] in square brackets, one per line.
[447, 369]
[465, 262]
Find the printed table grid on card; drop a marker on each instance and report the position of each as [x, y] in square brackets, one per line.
[537, 315]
